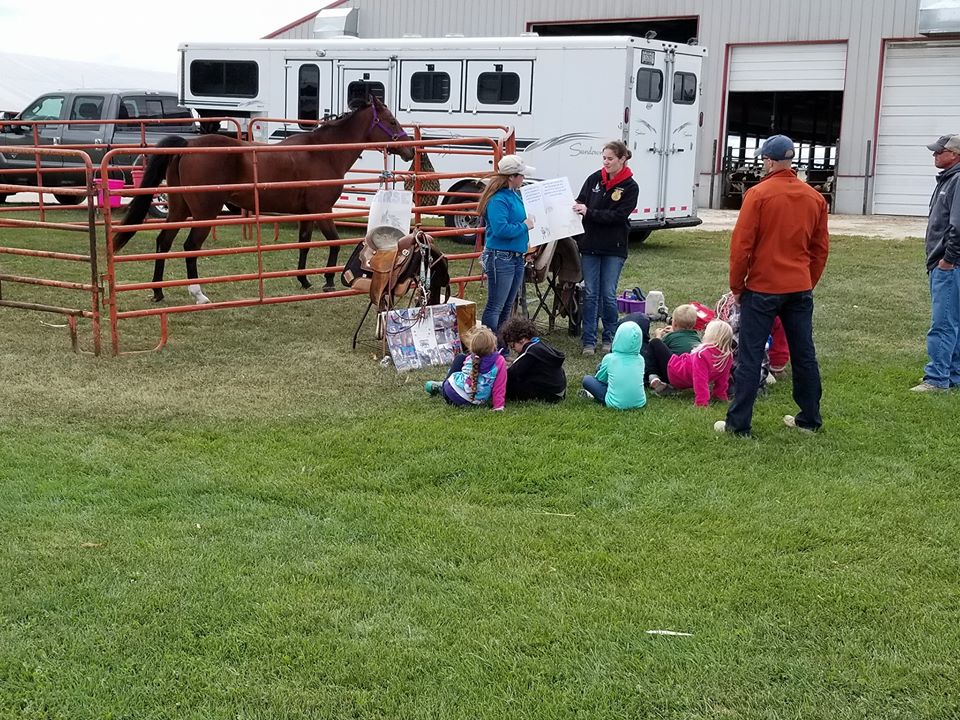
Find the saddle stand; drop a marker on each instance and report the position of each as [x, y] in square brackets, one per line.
[555, 274]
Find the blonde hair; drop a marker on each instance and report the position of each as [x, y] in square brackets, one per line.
[684, 317]
[719, 335]
[481, 342]
[495, 183]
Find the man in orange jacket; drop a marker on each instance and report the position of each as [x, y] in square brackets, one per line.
[777, 254]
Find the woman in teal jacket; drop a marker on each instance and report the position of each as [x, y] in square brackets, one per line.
[619, 380]
[506, 239]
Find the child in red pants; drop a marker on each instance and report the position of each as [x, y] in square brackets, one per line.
[779, 351]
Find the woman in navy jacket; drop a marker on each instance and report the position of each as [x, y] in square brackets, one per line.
[606, 200]
[506, 239]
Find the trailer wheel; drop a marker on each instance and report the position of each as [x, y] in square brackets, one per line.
[463, 221]
[639, 236]
[68, 199]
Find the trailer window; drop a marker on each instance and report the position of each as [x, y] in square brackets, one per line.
[684, 88]
[224, 78]
[308, 94]
[498, 88]
[359, 90]
[430, 87]
[649, 85]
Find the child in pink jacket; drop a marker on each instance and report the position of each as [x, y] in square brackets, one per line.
[709, 362]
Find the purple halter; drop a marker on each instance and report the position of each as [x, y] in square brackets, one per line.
[376, 122]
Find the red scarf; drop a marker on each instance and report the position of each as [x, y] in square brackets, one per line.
[611, 183]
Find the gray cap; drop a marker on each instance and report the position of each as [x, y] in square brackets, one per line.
[946, 142]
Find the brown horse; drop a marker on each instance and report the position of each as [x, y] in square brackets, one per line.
[371, 122]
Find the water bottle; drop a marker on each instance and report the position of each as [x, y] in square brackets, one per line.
[655, 304]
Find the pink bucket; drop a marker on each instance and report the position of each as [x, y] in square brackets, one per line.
[137, 175]
[112, 185]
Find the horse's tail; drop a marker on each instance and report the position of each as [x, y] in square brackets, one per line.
[153, 175]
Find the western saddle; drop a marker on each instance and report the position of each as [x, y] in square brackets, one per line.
[388, 263]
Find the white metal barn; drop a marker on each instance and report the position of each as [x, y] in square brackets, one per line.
[862, 85]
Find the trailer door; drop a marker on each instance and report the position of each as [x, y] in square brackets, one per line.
[362, 78]
[309, 93]
[649, 105]
[680, 145]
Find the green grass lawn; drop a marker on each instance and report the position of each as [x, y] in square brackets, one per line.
[259, 522]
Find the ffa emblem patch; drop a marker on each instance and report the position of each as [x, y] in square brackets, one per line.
[616, 194]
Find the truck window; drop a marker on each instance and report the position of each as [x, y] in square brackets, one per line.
[308, 95]
[430, 87]
[154, 107]
[225, 78]
[649, 85]
[684, 88]
[498, 88]
[46, 108]
[359, 90]
[86, 107]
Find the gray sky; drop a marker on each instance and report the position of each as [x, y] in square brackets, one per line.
[138, 34]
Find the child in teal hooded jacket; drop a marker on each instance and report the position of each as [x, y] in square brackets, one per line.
[619, 379]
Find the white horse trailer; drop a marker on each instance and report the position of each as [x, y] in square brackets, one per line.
[565, 97]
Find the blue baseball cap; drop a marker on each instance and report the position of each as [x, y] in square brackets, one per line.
[777, 147]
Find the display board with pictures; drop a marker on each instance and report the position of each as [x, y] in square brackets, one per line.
[419, 337]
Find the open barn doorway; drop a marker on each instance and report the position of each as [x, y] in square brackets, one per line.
[673, 29]
[811, 118]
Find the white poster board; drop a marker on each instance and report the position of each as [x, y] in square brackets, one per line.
[550, 204]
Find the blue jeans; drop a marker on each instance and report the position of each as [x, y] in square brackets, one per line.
[601, 273]
[943, 339]
[504, 276]
[596, 388]
[757, 311]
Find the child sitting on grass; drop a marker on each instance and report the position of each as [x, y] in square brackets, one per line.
[476, 378]
[619, 379]
[709, 362]
[537, 373]
[680, 335]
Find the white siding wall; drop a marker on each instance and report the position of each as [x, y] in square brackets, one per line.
[766, 68]
[914, 111]
[861, 23]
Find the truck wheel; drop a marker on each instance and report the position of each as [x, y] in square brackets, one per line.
[68, 199]
[159, 207]
[463, 221]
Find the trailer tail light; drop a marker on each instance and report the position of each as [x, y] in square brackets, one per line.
[701, 119]
[626, 115]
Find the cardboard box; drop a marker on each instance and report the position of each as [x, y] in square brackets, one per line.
[466, 314]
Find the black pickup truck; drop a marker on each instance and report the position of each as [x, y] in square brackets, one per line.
[18, 167]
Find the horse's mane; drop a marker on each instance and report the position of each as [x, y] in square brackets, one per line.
[331, 124]
[343, 117]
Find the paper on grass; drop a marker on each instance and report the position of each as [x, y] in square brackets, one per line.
[550, 204]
